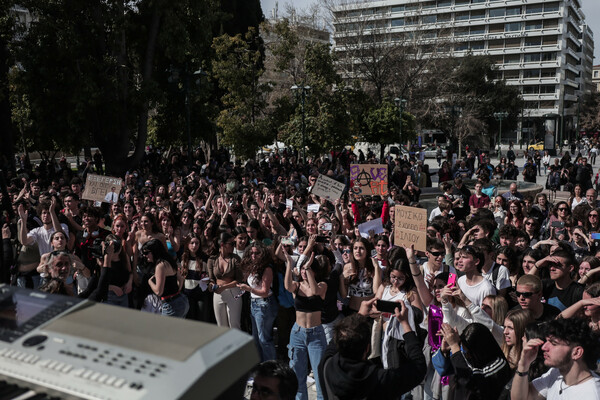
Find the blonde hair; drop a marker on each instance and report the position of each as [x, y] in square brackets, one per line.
[499, 308]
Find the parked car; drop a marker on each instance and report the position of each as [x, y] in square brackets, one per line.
[536, 146]
[431, 151]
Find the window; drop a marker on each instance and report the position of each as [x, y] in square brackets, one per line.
[461, 47]
[548, 89]
[531, 89]
[549, 73]
[595, 74]
[411, 20]
[397, 8]
[497, 12]
[398, 22]
[513, 11]
[463, 16]
[551, 7]
[550, 56]
[534, 9]
[511, 74]
[512, 27]
[531, 73]
[512, 59]
[444, 3]
[532, 57]
[478, 30]
[533, 25]
[461, 32]
[533, 41]
[512, 43]
[478, 14]
[429, 19]
[479, 45]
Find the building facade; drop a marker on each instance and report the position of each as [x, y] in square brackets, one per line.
[542, 46]
[596, 78]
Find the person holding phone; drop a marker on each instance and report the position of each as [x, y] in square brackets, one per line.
[398, 287]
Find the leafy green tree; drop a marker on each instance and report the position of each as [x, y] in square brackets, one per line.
[93, 70]
[382, 125]
[237, 69]
[470, 83]
[329, 125]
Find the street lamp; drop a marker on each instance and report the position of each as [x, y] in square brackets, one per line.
[302, 93]
[499, 117]
[400, 104]
[185, 81]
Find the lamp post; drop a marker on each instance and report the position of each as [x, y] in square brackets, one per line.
[185, 82]
[302, 93]
[400, 104]
[499, 117]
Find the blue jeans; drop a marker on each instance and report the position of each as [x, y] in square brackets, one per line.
[329, 328]
[305, 342]
[112, 298]
[21, 281]
[177, 306]
[263, 312]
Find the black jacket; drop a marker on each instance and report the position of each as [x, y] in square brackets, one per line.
[350, 379]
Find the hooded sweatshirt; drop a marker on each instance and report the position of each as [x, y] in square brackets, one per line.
[352, 379]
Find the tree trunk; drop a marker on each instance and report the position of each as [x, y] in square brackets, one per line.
[7, 150]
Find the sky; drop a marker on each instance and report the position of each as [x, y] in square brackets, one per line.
[591, 9]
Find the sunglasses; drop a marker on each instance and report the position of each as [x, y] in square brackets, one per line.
[437, 253]
[562, 209]
[346, 251]
[593, 215]
[524, 294]
[528, 223]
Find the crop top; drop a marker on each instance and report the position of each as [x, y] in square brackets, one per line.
[308, 303]
[171, 286]
[233, 270]
[363, 287]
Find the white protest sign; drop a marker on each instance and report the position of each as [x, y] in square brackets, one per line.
[313, 208]
[374, 225]
[328, 188]
[289, 204]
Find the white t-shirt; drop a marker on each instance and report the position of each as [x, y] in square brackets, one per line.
[551, 383]
[503, 280]
[478, 292]
[427, 274]
[41, 236]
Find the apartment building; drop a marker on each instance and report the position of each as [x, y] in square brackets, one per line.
[542, 46]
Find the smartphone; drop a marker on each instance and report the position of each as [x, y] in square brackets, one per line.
[388, 306]
[322, 239]
[327, 226]
[595, 236]
[558, 224]
[451, 279]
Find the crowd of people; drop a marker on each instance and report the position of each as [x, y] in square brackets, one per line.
[504, 302]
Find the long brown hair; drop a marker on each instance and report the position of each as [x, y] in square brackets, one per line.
[520, 320]
[258, 267]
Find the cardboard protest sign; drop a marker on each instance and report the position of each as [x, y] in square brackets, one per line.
[410, 227]
[369, 179]
[328, 188]
[102, 188]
